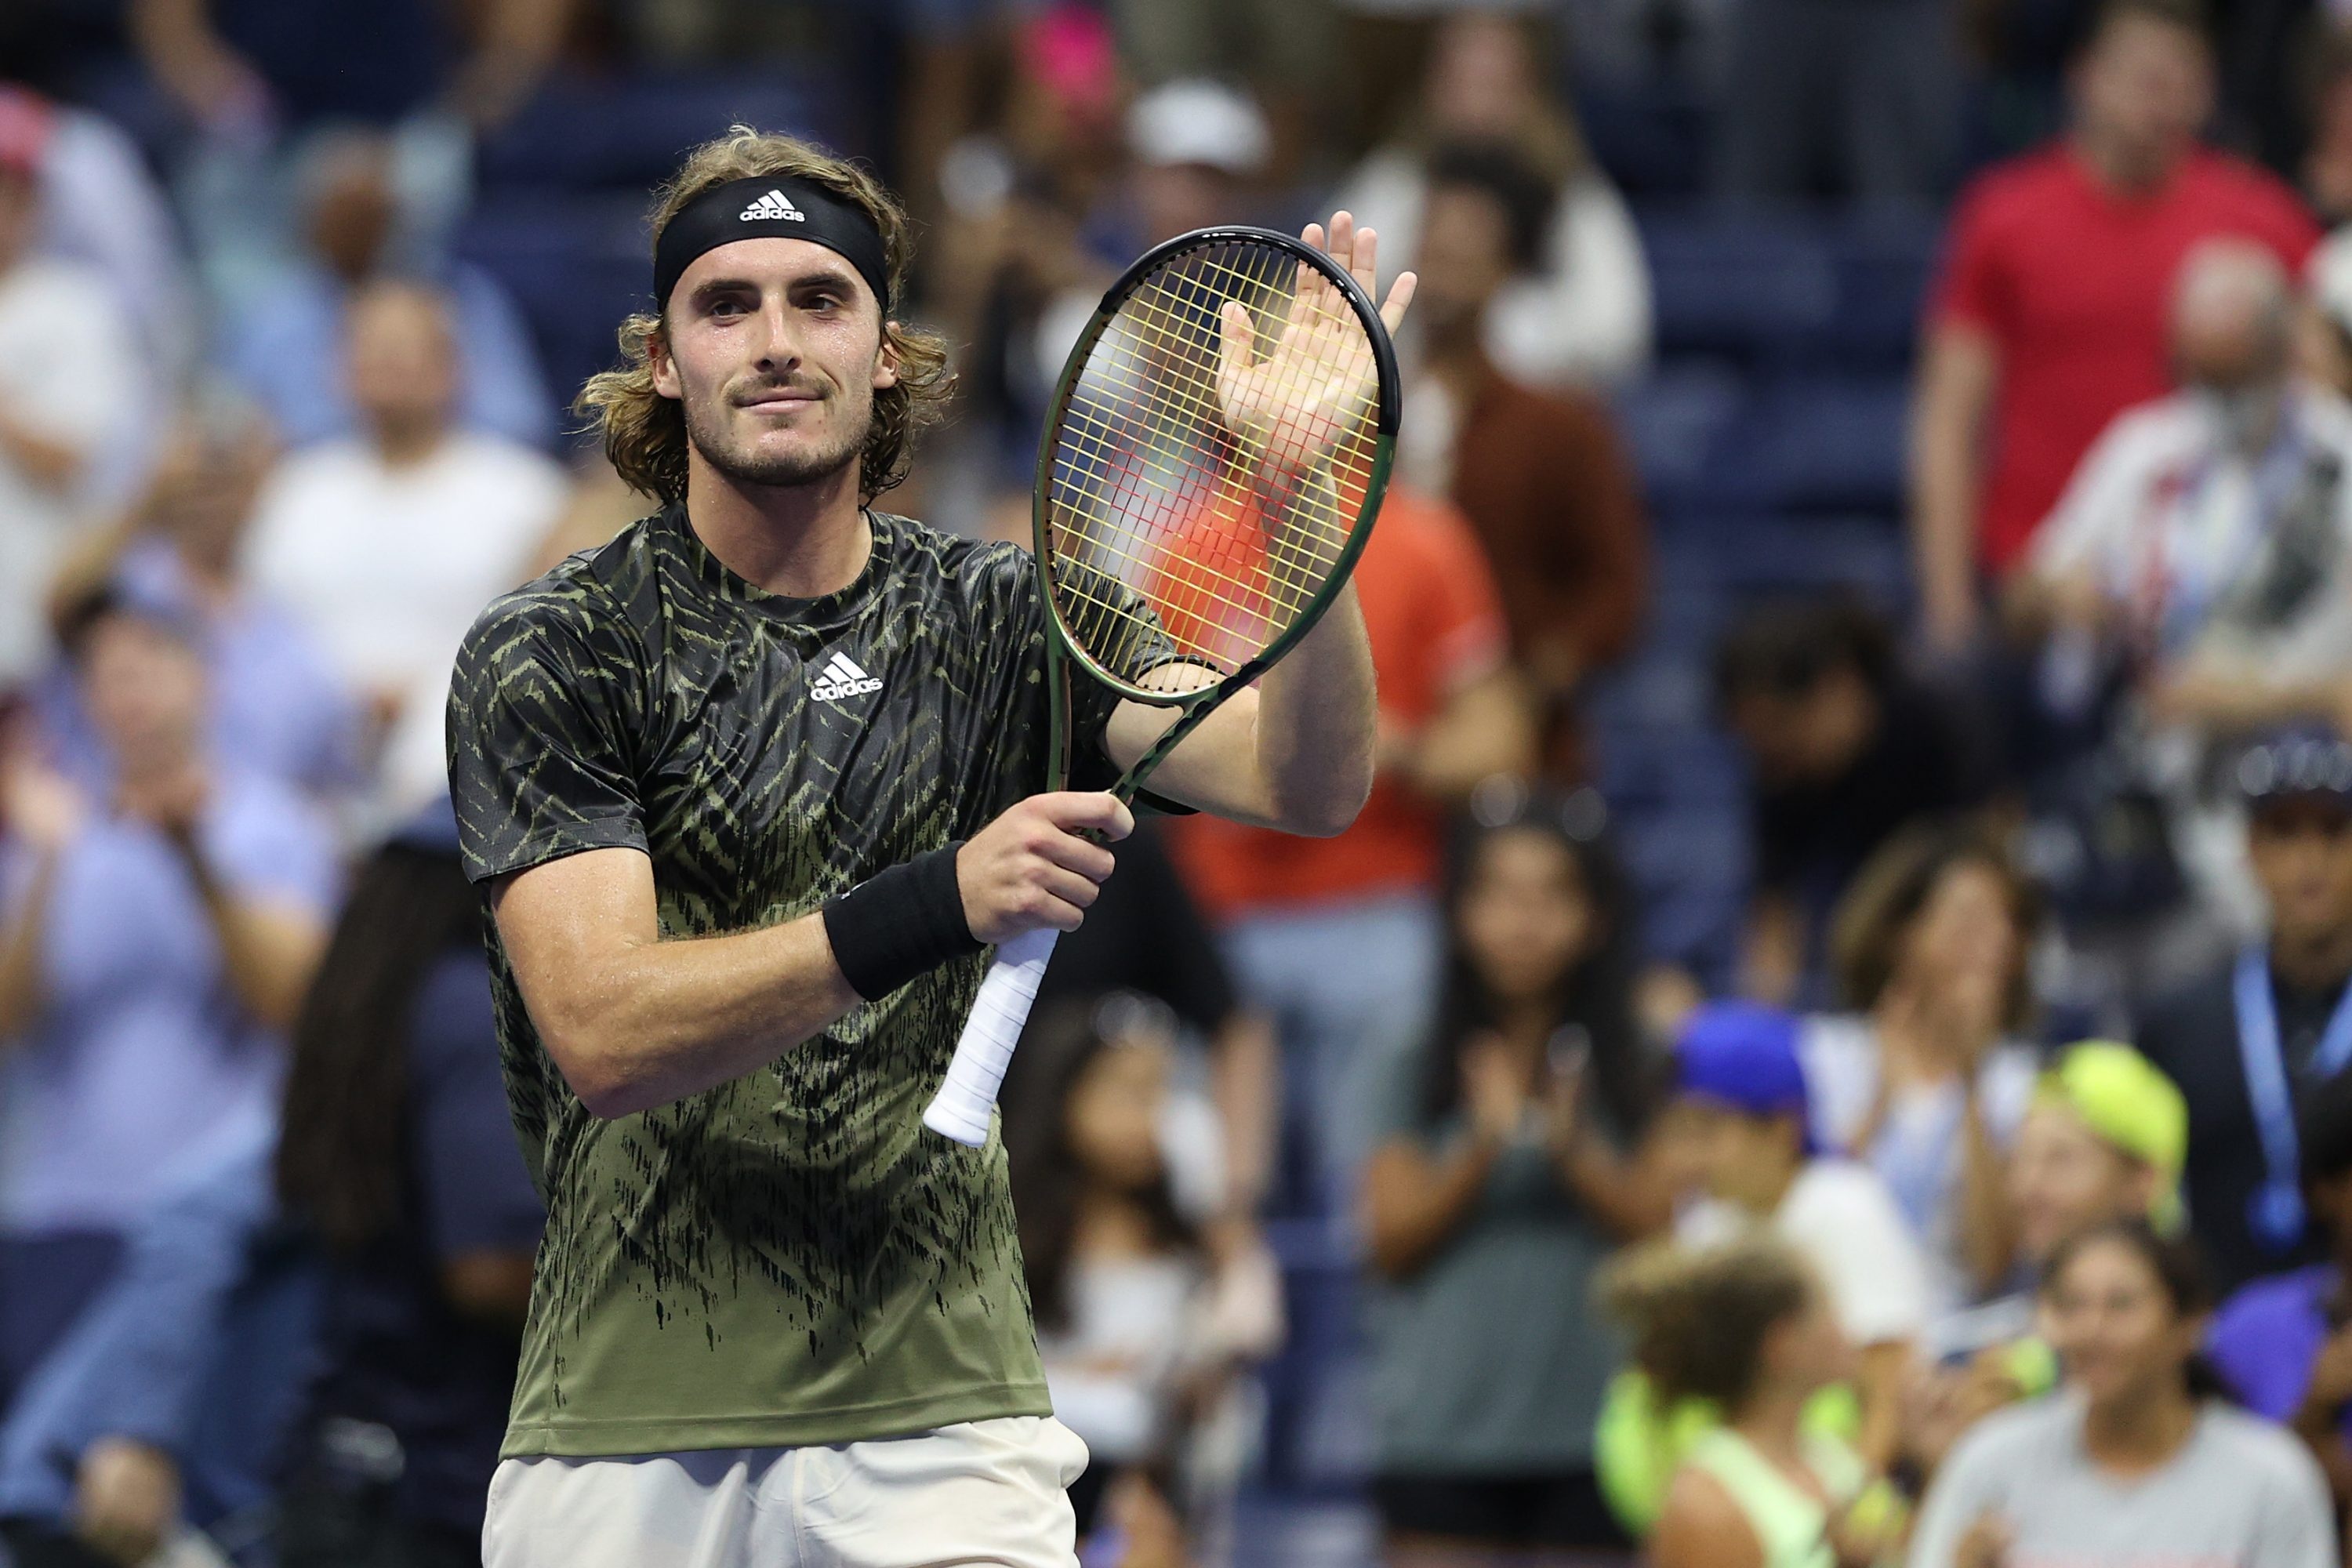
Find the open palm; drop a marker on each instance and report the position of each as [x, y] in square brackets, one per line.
[1298, 401]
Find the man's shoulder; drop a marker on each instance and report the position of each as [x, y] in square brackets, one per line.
[586, 595]
[2263, 1451]
[1833, 1194]
[2211, 172]
[2019, 189]
[979, 574]
[2028, 1438]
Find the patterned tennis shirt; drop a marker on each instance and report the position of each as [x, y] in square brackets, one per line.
[788, 1259]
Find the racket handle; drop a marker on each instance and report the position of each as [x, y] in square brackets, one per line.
[961, 1108]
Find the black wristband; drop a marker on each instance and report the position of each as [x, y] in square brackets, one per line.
[899, 923]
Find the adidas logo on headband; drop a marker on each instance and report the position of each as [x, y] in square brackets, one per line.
[774, 204]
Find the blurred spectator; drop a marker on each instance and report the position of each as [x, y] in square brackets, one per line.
[1147, 935]
[1337, 937]
[156, 941]
[1927, 1081]
[2281, 1344]
[2136, 1463]
[2325, 344]
[387, 545]
[101, 208]
[231, 64]
[1540, 474]
[1831, 100]
[1748, 1327]
[1288, 55]
[2208, 536]
[1573, 304]
[1512, 1161]
[1198, 146]
[2249, 1042]
[1140, 1335]
[275, 706]
[2103, 1141]
[342, 1326]
[287, 345]
[2049, 319]
[1740, 1089]
[66, 363]
[1844, 749]
[2326, 167]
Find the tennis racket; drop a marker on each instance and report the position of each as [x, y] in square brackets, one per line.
[1214, 453]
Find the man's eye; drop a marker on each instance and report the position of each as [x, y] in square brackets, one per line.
[727, 307]
[823, 302]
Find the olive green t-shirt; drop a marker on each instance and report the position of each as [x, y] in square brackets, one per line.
[791, 1257]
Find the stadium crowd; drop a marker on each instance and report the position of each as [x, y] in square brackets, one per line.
[1830, 1044]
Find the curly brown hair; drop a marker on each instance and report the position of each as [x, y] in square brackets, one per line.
[1699, 1316]
[645, 433]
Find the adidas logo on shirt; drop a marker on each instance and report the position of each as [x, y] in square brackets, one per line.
[842, 678]
[774, 204]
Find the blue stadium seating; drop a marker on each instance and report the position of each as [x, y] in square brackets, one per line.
[628, 132]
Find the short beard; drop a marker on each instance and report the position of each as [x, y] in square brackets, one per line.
[783, 471]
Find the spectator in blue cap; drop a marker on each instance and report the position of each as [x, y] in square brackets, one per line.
[2252, 1040]
[1741, 1096]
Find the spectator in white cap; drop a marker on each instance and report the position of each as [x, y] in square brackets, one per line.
[1198, 145]
[1578, 314]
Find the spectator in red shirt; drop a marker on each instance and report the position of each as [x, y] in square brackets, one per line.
[2049, 319]
[1339, 938]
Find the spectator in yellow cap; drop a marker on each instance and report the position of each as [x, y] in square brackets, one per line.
[2103, 1139]
[2284, 1345]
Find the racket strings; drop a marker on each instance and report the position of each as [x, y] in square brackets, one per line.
[1208, 495]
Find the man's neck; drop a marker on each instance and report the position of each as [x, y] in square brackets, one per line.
[2316, 961]
[406, 445]
[803, 542]
[2122, 171]
[1773, 1424]
[1772, 1193]
[1456, 359]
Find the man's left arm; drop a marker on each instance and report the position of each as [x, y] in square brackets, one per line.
[1295, 753]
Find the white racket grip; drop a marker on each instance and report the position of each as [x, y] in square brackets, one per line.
[961, 1108]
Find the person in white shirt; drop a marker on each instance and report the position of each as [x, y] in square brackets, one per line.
[2200, 562]
[1579, 315]
[388, 544]
[1925, 1080]
[2207, 537]
[1741, 1100]
[66, 367]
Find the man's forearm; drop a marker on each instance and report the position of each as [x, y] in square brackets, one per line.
[1315, 724]
[663, 1019]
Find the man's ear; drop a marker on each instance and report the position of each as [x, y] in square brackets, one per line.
[885, 361]
[664, 368]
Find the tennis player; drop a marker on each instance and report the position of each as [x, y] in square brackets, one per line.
[748, 788]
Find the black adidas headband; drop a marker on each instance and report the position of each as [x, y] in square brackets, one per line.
[780, 207]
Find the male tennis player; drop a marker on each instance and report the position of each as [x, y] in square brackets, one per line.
[746, 789]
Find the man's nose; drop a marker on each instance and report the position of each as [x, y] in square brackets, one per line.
[778, 345]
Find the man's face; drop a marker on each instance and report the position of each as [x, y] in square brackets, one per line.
[775, 348]
[2063, 1177]
[143, 686]
[1177, 198]
[1746, 1157]
[1808, 736]
[2147, 86]
[402, 363]
[1466, 258]
[2302, 852]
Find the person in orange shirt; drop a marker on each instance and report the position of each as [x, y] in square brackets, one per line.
[1339, 939]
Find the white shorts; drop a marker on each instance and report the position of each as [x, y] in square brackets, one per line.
[980, 1492]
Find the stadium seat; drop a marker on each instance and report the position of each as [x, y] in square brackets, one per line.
[1752, 285]
[579, 133]
[1671, 422]
[575, 265]
[1815, 444]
